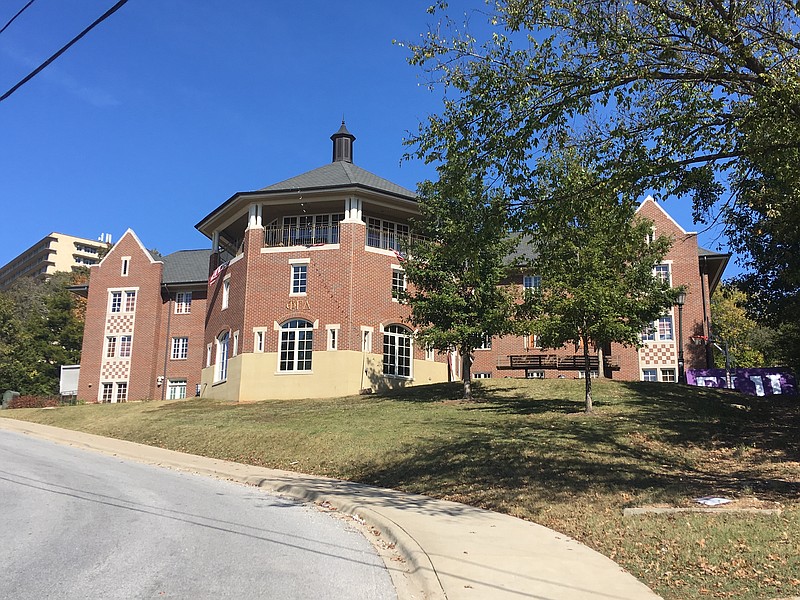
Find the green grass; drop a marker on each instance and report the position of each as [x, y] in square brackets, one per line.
[526, 449]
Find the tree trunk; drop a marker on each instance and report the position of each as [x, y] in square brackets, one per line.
[466, 374]
[587, 375]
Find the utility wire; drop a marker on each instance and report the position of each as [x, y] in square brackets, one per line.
[21, 10]
[41, 67]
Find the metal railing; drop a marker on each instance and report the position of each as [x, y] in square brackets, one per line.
[310, 235]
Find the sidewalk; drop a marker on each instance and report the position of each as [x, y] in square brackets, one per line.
[451, 550]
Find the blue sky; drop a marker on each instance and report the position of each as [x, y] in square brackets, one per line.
[169, 107]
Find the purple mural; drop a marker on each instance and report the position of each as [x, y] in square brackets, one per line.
[754, 382]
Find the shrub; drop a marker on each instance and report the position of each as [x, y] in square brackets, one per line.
[34, 401]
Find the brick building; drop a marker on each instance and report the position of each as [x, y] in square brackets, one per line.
[301, 302]
[143, 336]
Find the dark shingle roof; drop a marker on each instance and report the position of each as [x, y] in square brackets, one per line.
[339, 174]
[186, 266]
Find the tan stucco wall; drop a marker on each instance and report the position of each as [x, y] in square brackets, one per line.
[254, 376]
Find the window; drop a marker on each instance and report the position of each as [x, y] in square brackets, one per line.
[308, 230]
[366, 339]
[662, 273]
[180, 348]
[531, 374]
[296, 343]
[649, 375]
[582, 374]
[333, 337]
[651, 236]
[430, 353]
[532, 283]
[235, 343]
[126, 263]
[111, 347]
[258, 340]
[481, 375]
[665, 328]
[397, 351]
[116, 302]
[176, 389]
[208, 355]
[226, 292]
[398, 283]
[122, 392]
[183, 303]
[299, 279]
[386, 234]
[660, 330]
[221, 367]
[130, 301]
[533, 341]
[668, 375]
[108, 393]
[125, 346]
[486, 343]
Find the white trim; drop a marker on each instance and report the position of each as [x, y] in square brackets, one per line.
[379, 251]
[278, 249]
[126, 266]
[333, 338]
[299, 261]
[666, 214]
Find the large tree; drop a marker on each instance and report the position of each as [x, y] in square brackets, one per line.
[596, 262]
[688, 97]
[456, 265]
[41, 328]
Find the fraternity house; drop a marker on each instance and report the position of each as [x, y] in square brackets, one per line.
[297, 298]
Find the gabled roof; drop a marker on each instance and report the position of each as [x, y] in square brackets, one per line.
[186, 266]
[336, 175]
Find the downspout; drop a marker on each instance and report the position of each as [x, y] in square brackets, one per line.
[166, 344]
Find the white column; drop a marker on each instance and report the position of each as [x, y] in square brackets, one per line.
[254, 214]
[353, 210]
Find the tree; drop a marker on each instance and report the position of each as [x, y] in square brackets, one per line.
[688, 97]
[455, 267]
[749, 344]
[41, 328]
[595, 263]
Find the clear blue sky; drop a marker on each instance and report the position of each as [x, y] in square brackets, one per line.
[169, 107]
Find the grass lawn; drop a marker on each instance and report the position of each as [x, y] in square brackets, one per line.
[526, 449]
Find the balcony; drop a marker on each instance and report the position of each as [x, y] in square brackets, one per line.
[573, 362]
[310, 235]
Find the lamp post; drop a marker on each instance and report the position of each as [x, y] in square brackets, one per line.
[679, 302]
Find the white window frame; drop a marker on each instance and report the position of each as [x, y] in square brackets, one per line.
[668, 375]
[126, 266]
[298, 282]
[532, 282]
[208, 355]
[183, 303]
[398, 282]
[296, 346]
[221, 361]
[226, 291]
[482, 375]
[115, 301]
[111, 346]
[130, 301]
[178, 385]
[650, 375]
[486, 343]
[180, 348]
[259, 339]
[594, 374]
[366, 339]
[235, 351]
[333, 337]
[663, 272]
[534, 374]
[398, 352]
[125, 348]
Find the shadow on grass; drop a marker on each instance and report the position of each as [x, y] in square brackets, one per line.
[645, 439]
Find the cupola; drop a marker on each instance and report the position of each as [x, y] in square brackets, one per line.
[343, 145]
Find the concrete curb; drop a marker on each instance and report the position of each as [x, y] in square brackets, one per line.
[419, 568]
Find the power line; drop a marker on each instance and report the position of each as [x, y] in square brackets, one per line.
[41, 67]
[21, 10]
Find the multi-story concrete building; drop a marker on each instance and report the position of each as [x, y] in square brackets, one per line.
[298, 299]
[54, 252]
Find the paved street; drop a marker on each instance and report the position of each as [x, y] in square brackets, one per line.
[78, 524]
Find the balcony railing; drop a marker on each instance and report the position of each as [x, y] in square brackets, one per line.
[389, 240]
[311, 235]
[573, 362]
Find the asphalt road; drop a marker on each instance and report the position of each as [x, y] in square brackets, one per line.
[77, 524]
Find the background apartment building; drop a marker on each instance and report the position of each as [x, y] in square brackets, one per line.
[54, 252]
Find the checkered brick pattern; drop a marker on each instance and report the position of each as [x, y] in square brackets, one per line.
[116, 371]
[116, 324]
[658, 354]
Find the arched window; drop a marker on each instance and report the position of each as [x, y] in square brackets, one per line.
[397, 351]
[296, 340]
[221, 366]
